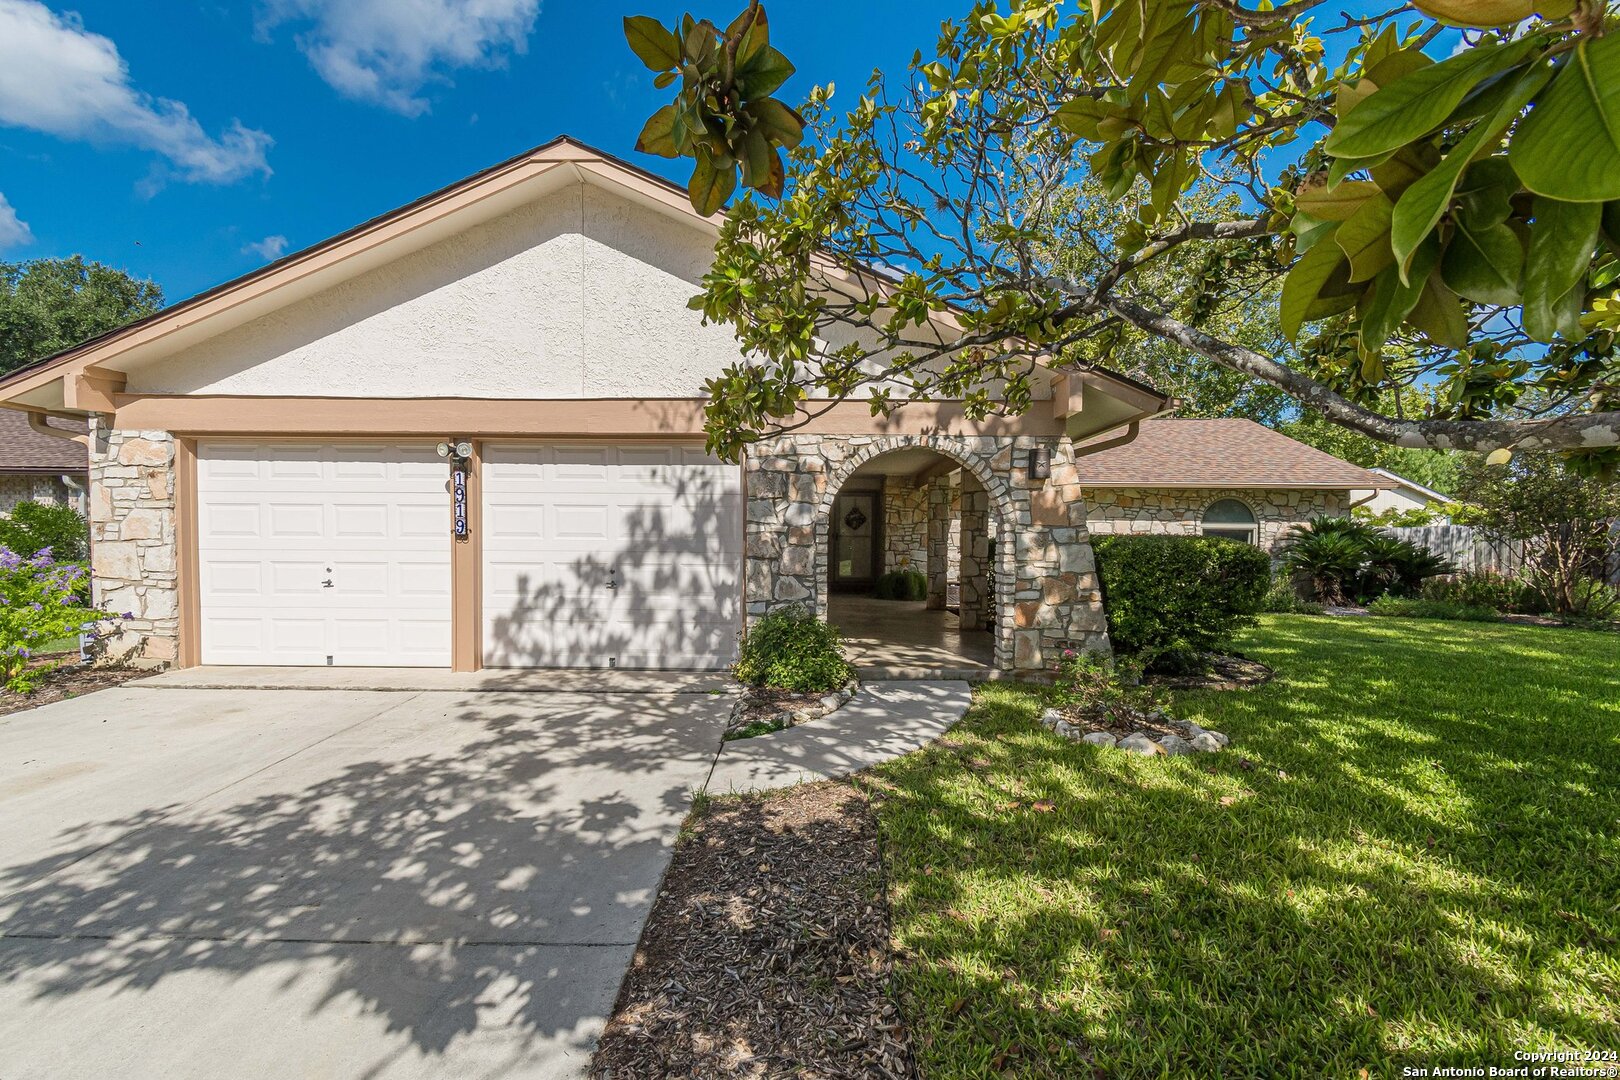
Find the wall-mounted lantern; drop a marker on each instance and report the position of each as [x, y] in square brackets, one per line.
[1040, 462]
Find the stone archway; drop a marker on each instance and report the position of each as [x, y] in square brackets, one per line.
[1046, 593]
[1003, 512]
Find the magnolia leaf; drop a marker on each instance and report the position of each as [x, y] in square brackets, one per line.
[1304, 283]
[1487, 14]
[1486, 191]
[1391, 300]
[780, 124]
[1499, 456]
[1563, 237]
[1568, 147]
[1403, 168]
[1422, 204]
[659, 49]
[658, 135]
[1439, 314]
[764, 73]
[754, 31]
[1485, 264]
[1418, 102]
[1364, 237]
[1081, 116]
[1337, 203]
[711, 184]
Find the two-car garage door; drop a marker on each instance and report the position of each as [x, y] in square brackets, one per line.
[594, 555]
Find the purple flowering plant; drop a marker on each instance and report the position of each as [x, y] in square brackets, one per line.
[41, 600]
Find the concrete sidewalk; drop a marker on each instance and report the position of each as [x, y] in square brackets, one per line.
[882, 722]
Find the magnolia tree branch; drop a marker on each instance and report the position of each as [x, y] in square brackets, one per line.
[1568, 432]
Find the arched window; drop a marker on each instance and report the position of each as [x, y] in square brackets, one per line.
[1232, 519]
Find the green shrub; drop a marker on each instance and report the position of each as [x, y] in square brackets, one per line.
[1171, 598]
[902, 585]
[33, 527]
[791, 649]
[1485, 589]
[40, 602]
[1418, 608]
[1283, 598]
[1345, 560]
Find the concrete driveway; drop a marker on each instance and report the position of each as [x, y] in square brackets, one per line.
[219, 883]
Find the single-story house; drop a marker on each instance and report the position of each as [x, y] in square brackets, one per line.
[1403, 494]
[41, 462]
[1220, 477]
[469, 433]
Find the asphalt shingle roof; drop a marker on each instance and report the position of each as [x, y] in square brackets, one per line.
[1175, 452]
[22, 449]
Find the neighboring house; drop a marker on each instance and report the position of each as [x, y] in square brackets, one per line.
[42, 467]
[1403, 494]
[269, 485]
[1224, 477]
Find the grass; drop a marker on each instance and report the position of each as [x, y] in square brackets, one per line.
[1421, 867]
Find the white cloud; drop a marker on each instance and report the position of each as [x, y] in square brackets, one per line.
[269, 249]
[386, 51]
[57, 77]
[13, 232]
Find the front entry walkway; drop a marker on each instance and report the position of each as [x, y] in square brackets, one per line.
[902, 639]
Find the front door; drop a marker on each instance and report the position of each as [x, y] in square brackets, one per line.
[855, 527]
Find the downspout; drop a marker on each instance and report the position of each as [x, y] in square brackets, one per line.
[81, 496]
[1132, 430]
[36, 421]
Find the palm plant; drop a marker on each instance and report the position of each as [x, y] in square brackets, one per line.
[1330, 559]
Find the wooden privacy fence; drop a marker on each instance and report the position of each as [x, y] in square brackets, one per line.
[1468, 550]
[1465, 548]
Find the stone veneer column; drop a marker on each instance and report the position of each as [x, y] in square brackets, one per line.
[1047, 597]
[939, 540]
[973, 603]
[132, 541]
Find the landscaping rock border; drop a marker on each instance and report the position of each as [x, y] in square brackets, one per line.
[1195, 740]
[825, 705]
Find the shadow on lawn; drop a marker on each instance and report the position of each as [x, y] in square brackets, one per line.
[1421, 867]
[518, 830]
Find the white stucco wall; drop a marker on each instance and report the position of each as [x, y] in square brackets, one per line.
[579, 294]
[1376, 501]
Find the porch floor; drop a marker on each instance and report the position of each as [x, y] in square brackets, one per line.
[901, 639]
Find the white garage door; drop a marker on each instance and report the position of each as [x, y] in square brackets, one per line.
[599, 556]
[323, 554]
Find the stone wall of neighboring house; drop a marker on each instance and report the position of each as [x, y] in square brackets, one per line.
[35, 487]
[1045, 596]
[905, 525]
[1180, 511]
[132, 537]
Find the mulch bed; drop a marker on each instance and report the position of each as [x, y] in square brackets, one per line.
[767, 951]
[1225, 673]
[757, 703]
[69, 680]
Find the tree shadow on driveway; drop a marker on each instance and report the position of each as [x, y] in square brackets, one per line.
[465, 871]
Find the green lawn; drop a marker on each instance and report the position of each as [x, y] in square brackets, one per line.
[1421, 867]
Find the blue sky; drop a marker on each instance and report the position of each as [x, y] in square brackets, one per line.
[179, 139]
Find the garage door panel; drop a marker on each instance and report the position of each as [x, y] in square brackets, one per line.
[599, 555]
[276, 521]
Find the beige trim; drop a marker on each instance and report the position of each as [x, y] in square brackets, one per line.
[467, 574]
[637, 418]
[188, 604]
[1136, 397]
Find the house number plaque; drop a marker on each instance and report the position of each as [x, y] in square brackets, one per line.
[458, 489]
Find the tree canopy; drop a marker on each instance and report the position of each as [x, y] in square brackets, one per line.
[1421, 208]
[46, 305]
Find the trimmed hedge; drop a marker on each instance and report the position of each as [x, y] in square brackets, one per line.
[902, 585]
[1171, 598]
